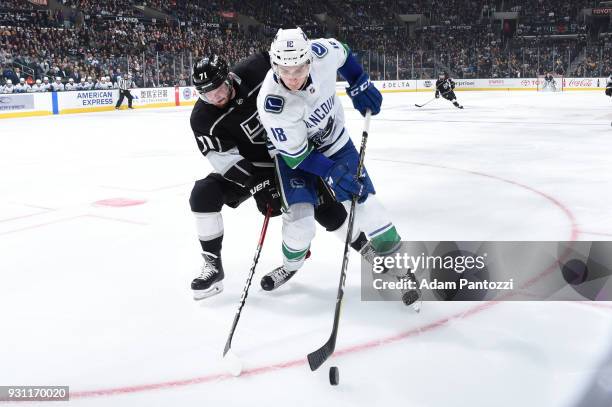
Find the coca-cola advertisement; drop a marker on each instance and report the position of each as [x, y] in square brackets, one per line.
[581, 82]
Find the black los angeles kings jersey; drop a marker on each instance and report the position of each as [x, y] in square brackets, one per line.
[445, 85]
[233, 138]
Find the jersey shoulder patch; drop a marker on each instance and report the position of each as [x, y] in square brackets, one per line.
[274, 104]
[319, 49]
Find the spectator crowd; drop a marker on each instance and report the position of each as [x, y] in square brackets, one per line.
[86, 42]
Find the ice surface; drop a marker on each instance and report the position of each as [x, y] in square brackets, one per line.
[95, 294]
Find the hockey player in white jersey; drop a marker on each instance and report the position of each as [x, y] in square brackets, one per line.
[38, 87]
[71, 85]
[89, 84]
[22, 86]
[103, 84]
[58, 86]
[46, 85]
[609, 86]
[304, 120]
[8, 87]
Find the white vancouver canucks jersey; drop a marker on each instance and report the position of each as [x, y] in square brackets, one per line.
[299, 121]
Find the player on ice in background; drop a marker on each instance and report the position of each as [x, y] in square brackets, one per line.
[609, 86]
[304, 120]
[445, 87]
[549, 82]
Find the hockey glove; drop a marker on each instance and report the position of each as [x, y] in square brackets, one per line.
[365, 95]
[345, 184]
[609, 91]
[437, 95]
[263, 189]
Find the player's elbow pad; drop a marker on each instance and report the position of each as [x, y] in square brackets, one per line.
[240, 173]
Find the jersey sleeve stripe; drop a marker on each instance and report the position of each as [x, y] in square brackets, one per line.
[294, 161]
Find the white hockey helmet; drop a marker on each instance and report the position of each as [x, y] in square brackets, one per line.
[82, 80]
[70, 80]
[9, 82]
[89, 78]
[58, 79]
[290, 48]
[21, 80]
[46, 79]
[108, 78]
[38, 81]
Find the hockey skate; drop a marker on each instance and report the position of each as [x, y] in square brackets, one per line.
[210, 280]
[276, 278]
[411, 296]
[369, 254]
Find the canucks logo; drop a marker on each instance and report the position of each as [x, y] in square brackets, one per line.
[274, 104]
[320, 137]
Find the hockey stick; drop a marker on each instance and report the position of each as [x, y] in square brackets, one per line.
[318, 357]
[245, 291]
[432, 99]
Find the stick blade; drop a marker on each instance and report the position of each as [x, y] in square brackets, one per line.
[318, 357]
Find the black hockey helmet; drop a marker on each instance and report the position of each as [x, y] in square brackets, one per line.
[209, 73]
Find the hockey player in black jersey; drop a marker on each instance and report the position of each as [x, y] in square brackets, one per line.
[609, 86]
[445, 87]
[229, 134]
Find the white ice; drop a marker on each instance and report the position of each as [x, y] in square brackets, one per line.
[97, 297]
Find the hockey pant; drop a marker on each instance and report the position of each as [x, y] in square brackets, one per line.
[210, 194]
[370, 218]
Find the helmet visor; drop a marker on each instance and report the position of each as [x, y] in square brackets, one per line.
[293, 72]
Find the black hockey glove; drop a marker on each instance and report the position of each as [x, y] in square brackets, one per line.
[263, 189]
[609, 91]
[437, 94]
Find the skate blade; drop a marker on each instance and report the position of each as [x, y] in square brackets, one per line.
[214, 289]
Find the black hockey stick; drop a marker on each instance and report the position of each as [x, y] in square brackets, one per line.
[245, 291]
[318, 357]
[432, 99]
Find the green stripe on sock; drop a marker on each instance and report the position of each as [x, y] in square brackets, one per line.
[294, 255]
[386, 242]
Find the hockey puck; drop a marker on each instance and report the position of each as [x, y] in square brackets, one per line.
[334, 376]
[410, 297]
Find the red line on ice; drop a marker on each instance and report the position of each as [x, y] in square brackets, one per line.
[574, 232]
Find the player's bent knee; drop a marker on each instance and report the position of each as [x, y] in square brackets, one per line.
[330, 215]
[206, 196]
[299, 226]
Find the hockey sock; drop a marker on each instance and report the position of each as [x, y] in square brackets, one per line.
[293, 258]
[209, 226]
[360, 242]
[298, 231]
[212, 246]
[385, 240]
